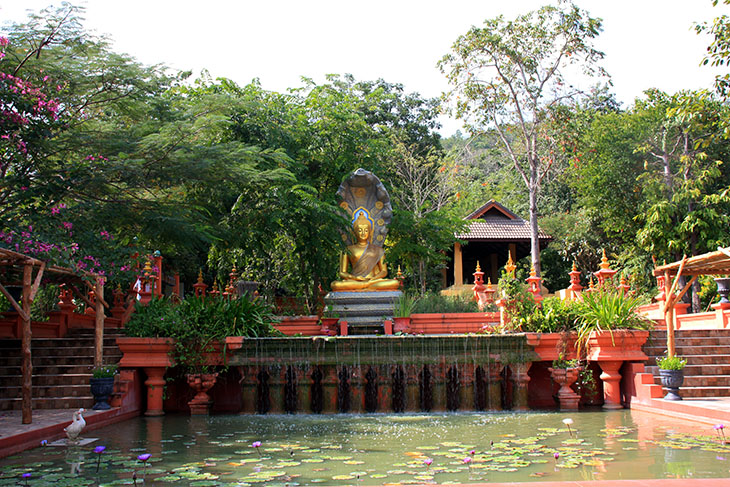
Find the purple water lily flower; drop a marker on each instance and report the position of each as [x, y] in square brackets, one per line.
[99, 450]
[720, 428]
[428, 462]
[144, 457]
[257, 444]
[26, 476]
[557, 455]
[44, 442]
[467, 460]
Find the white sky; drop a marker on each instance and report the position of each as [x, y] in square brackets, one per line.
[648, 43]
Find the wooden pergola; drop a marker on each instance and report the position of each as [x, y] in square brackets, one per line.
[710, 264]
[29, 265]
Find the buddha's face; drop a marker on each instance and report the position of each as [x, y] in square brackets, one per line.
[362, 232]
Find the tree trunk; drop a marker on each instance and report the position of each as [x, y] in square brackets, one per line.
[534, 232]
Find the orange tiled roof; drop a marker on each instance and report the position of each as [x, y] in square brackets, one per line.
[499, 229]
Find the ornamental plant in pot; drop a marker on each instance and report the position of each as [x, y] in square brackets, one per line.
[671, 372]
[402, 309]
[102, 385]
[329, 321]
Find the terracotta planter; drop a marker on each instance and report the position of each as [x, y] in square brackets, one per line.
[401, 324]
[153, 356]
[567, 398]
[299, 325]
[548, 346]
[329, 326]
[611, 350]
[442, 323]
[201, 384]
[618, 345]
[145, 352]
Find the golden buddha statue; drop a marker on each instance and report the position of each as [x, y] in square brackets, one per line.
[367, 261]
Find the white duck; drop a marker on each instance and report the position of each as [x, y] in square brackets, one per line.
[74, 429]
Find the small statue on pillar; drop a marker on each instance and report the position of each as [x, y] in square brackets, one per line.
[534, 286]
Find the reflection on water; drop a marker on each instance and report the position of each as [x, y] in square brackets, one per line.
[377, 449]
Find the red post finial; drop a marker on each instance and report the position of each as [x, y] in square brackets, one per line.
[605, 273]
[575, 288]
[200, 287]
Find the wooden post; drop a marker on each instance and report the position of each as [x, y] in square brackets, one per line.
[99, 323]
[458, 266]
[27, 367]
[669, 316]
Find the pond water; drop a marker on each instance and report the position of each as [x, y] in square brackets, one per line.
[379, 449]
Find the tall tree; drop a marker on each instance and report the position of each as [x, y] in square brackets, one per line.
[507, 75]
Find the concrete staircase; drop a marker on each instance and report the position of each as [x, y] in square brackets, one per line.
[707, 352]
[61, 369]
[363, 311]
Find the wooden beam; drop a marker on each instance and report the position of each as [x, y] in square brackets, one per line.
[27, 364]
[679, 274]
[684, 290]
[99, 323]
[15, 304]
[82, 296]
[37, 282]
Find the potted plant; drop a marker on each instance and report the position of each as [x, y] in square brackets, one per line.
[402, 309]
[602, 314]
[329, 321]
[671, 372]
[102, 385]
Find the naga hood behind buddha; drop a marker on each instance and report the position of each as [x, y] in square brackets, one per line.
[365, 198]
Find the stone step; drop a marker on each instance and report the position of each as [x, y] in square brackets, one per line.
[49, 403]
[685, 350]
[381, 312]
[43, 380]
[50, 391]
[52, 369]
[717, 340]
[349, 298]
[692, 333]
[704, 391]
[111, 355]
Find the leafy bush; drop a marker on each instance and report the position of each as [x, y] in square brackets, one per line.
[608, 309]
[554, 315]
[403, 306]
[104, 371]
[438, 303]
[671, 363]
[519, 305]
[197, 324]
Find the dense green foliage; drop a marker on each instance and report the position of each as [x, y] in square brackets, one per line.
[198, 325]
[104, 160]
[438, 303]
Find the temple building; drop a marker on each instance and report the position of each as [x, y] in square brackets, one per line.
[494, 234]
